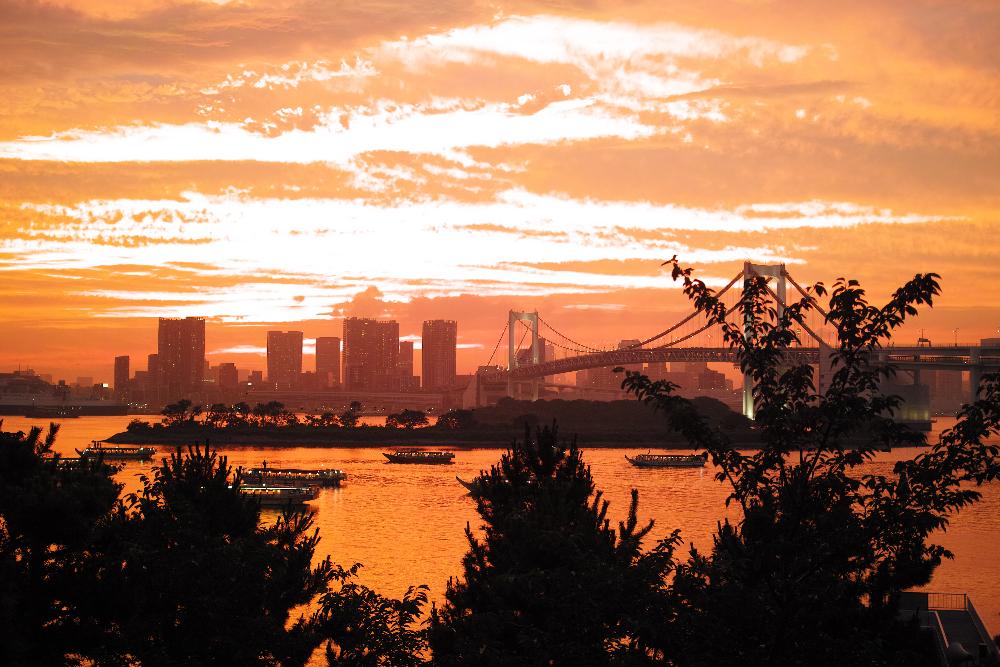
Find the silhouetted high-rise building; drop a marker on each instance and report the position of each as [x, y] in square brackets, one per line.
[181, 354]
[152, 386]
[229, 377]
[406, 357]
[328, 361]
[438, 355]
[121, 376]
[407, 380]
[256, 378]
[284, 358]
[371, 354]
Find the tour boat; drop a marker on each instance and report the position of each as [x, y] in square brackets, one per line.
[419, 456]
[294, 476]
[668, 460]
[118, 452]
[280, 496]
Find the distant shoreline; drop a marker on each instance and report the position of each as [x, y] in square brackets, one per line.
[375, 436]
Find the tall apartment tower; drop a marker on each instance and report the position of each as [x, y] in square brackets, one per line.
[407, 380]
[328, 361]
[121, 376]
[371, 354]
[438, 356]
[180, 354]
[229, 376]
[284, 358]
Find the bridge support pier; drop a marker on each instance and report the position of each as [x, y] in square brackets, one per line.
[513, 318]
[750, 271]
[975, 374]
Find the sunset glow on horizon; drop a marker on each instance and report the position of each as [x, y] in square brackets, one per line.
[283, 165]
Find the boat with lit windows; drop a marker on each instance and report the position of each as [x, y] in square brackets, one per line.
[294, 477]
[648, 460]
[279, 496]
[117, 452]
[419, 456]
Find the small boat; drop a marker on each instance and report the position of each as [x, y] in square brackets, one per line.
[668, 460]
[469, 486]
[280, 496]
[117, 452]
[294, 477]
[419, 456]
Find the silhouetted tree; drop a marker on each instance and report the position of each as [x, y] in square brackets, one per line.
[49, 510]
[809, 573]
[408, 419]
[457, 419]
[176, 413]
[366, 629]
[192, 577]
[550, 583]
[351, 417]
[218, 415]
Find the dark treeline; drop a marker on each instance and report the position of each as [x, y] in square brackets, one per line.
[183, 572]
[623, 422]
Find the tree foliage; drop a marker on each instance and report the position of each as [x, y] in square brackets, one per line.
[49, 512]
[198, 576]
[408, 419]
[365, 629]
[457, 419]
[810, 571]
[550, 582]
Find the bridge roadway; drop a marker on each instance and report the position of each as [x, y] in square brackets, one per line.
[960, 358]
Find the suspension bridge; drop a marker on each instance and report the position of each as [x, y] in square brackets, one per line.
[690, 340]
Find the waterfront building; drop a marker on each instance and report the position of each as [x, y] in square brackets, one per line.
[121, 376]
[328, 361]
[180, 357]
[228, 376]
[371, 354]
[284, 358]
[438, 355]
[407, 380]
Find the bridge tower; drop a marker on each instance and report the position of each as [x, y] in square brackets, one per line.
[750, 271]
[531, 318]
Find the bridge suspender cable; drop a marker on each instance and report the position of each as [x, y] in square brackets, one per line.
[684, 321]
[499, 340]
[806, 294]
[585, 347]
[800, 322]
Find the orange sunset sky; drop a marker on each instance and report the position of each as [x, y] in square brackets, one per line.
[283, 164]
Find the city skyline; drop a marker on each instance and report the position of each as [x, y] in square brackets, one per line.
[415, 163]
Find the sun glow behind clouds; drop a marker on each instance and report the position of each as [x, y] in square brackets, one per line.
[248, 174]
[342, 135]
[292, 259]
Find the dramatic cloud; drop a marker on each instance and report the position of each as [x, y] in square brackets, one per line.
[288, 164]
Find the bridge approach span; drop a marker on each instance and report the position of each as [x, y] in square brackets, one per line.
[904, 358]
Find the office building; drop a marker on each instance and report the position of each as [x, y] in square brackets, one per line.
[181, 357]
[152, 383]
[371, 354]
[121, 376]
[438, 354]
[328, 361]
[407, 380]
[284, 358]
[228, 376]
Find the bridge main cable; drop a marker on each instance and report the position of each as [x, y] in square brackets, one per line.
[684, 321]
[585, 348]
